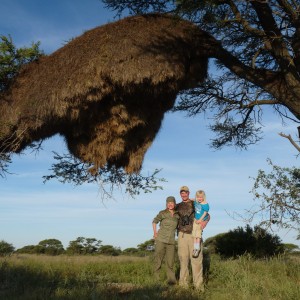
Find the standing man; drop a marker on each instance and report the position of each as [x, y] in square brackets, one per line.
[185, 210]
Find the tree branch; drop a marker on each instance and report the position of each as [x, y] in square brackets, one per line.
[261, 102]
[244, 22]
[291, 140]
[290, 10]
[272, 32]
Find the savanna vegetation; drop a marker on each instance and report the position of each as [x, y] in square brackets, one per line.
[257, 242]
[27, 277]
[244, 263]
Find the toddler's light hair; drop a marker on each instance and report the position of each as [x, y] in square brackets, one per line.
[200, 192]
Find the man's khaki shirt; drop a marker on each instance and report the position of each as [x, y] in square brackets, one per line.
[167, 226]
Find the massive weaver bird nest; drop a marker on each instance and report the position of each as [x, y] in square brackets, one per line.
[105, 91]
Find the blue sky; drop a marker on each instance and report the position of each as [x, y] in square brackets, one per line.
[31, 211]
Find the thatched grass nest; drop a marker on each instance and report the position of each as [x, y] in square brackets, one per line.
[105, 91]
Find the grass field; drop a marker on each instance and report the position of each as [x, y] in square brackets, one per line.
[30, 277]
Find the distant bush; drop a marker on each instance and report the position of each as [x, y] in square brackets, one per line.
[257, 242]
[48, 246]
[6, 248]
[109, 250]
[51, 247]
[146, 245]
[130, 251]
[29, 249]
[291, 248]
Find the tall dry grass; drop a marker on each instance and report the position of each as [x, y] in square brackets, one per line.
[29, 277]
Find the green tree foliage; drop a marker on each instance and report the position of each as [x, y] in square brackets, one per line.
[255, 45]
[12, 59]
[48, 247]
[29, 249]
[290, 248]
[110, 250]
[149, 244]
[130, 251]
[278, 194]
[83, 246]
[75, 247]
[257, 242]
[6, 248]
[91, 245]
[51, 247]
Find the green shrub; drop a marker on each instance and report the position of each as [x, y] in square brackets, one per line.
[257, 242]
[6, 248]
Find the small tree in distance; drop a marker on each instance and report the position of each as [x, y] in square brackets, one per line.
[279, 195]
[110, 250]
[84, 245]
[146, 245]
[51, 247]
[6, 248]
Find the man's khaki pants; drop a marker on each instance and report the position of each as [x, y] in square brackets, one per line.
[185, 254]
[167, 251]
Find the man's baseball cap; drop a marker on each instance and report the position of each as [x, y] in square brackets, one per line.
[171, 199]
[184, 189]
